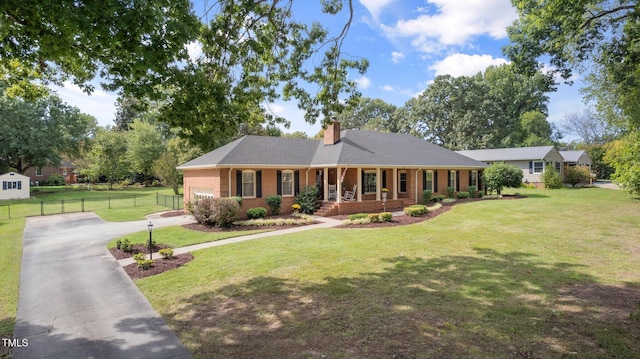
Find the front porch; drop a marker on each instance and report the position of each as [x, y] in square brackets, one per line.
[334, 208]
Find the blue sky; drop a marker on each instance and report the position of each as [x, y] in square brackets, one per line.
[407, 42]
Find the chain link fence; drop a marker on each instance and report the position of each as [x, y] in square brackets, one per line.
[9, 209]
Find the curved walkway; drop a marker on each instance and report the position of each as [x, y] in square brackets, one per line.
[76, 302]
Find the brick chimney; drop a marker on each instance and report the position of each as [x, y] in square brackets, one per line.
[332, 133]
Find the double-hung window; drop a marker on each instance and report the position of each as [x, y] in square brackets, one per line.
[248, 184]
[369, 180]
[452, 179]
[428, 181]
[402, 182]
[287, 183]
[473, 178]
[538, 166]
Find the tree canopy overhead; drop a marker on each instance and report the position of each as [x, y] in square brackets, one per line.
[132, 45]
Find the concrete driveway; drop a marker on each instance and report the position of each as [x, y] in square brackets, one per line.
[75, 300]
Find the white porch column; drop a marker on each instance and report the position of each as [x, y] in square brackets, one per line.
[359, 188]
[338, 185]
[395, 183]
[325, 184]
[378, 183]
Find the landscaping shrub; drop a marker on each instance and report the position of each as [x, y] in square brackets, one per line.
[450, 191]
[463, 195]
[373, 217]
[439, 198]
[257, 212]
[551, 178]
[500, 175]
[53, 180]
[139, 257]
[416, 210]
[126, 246]
[145, 264]
[295, 208]
[426, 196]
[357, 216]
[237, 199]
[215, 211]
[118, 244]
[166, 253]
[308, 199]
[448, 200]
[274, 203]
[385, 216]
[473, 191]
[576, 175]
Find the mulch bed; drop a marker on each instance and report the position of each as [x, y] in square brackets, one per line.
[137, 248]
[397, 220]
[160, 265]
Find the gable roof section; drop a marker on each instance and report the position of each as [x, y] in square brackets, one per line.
[574, 156]
[355, 148]
[509, 154]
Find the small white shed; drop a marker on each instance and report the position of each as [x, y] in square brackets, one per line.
[14, 186]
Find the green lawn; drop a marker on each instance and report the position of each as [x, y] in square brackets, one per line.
[552, 275]
[178, 236]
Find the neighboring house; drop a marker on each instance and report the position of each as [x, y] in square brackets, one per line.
[576, 159]
[255, 167]
[531, 160]
[65, 169]
[14, 186]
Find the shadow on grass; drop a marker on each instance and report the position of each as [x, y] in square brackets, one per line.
[488, 305]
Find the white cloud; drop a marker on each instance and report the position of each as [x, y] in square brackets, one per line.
[99, 104]
[363, 82]
[194, 49]
[396, 57]
[455, 23]
[375, 6]
[387, 88]
[465, 65]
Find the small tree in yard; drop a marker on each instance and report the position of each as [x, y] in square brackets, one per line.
[576, 175]
[500, 175]
[551, 178]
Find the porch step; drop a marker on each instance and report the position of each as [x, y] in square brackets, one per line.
[327, 209]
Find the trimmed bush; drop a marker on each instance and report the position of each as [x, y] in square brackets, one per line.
[448, 200]
[416, 210]
[145, 264]
[439, 198]
[126, 246]
[257, 212]
[167, 253]
[139, 257]
[426, 196]
[373, 217]
[472, 191]
[500, 175]
[463, 195]
[357, 216]
[551, 178]
[450, 191]
[237, 199]
[53, 180]
[576, 175]
[274, 203]
[219, 212]
[118, 244]
[308, 199]
[385, 216]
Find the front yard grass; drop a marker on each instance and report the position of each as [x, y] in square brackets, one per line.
[552, 275]
[178, 236]
[10, 257]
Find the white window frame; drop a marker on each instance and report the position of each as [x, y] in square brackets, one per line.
[400, 180]
[39, 172]
[253, 183]
[474, 179]
[367, 185]
[429, 173]
[453, 179]
[534, 166]
[287, 186]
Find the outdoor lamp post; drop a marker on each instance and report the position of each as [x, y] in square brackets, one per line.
[150, 226]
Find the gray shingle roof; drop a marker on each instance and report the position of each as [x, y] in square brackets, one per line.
[508, 154]
[571, 156]
[354, 148]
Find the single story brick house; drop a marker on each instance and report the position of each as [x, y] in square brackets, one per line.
[65, 169]
[531, 160]
[14, 186]
[255, 167]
